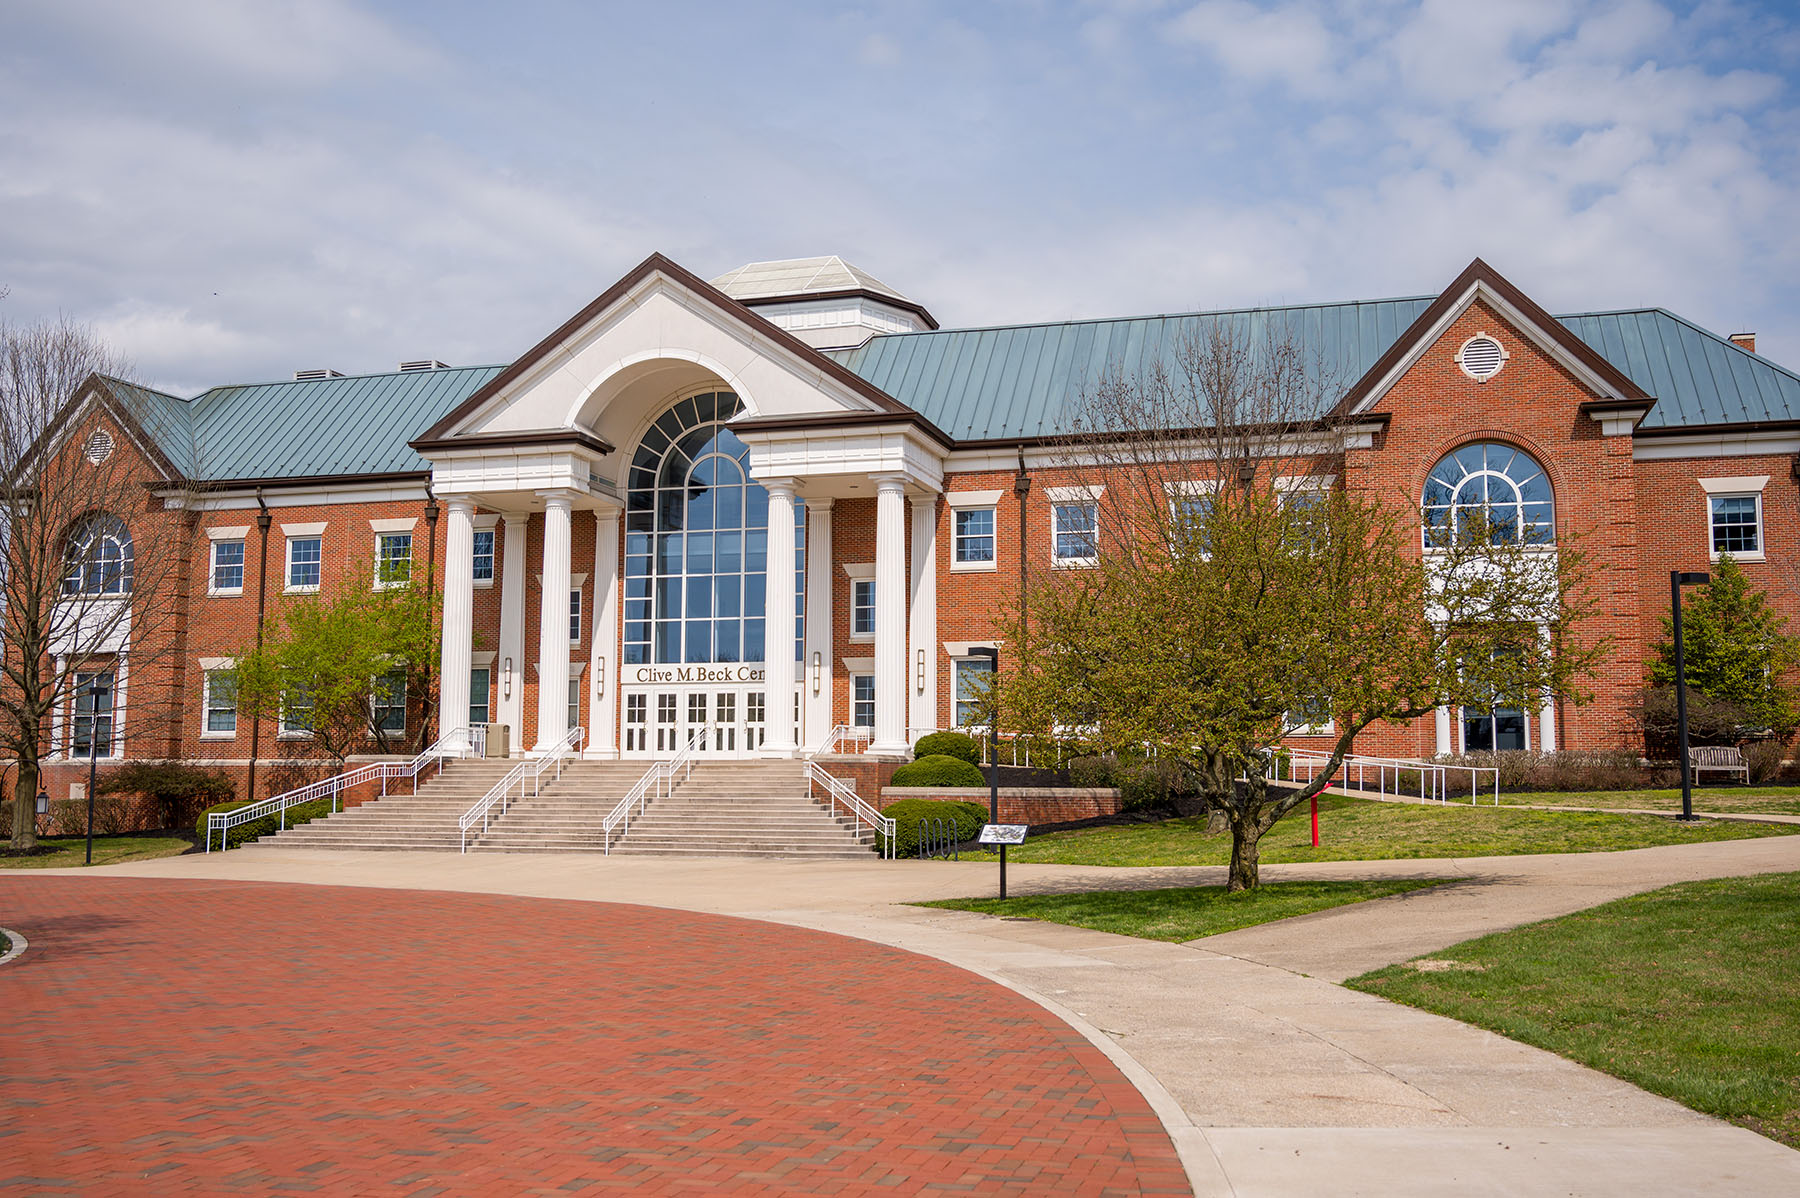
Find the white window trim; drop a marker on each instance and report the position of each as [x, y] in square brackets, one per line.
[303, 530]
[1074, 496]
[1289, 483]
[401, 524]
[235, 533]
[854, 580]
[577, 612]
[993, 563]
[1328, 728]
[482, 584]
[118, 668]
[1191, 488]
[391, 584]
[962, 499]
[956, 664]
[1762, 533]
[210, 666]
[874, 700]
[405, 702]
[1741, 485]
[212, 562]
[287, 569]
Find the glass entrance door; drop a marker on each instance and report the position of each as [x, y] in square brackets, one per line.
[721, 721]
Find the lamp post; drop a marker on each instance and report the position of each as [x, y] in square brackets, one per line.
[96, 693]
[1677, 580]
[993, 658]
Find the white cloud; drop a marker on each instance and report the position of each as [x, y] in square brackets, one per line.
[1287, 43]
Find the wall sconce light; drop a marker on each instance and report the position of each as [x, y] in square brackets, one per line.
[599, 677]
[506, 679]
[816, 667]
[921, 671]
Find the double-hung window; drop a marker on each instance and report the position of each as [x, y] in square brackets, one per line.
[393, 559]
[296, 711]
[575, 616]
[93, 723]
[387, 702]
[862, 700]
[480, 683]
[862, 609]
[227, 568]
[974, 536]
[304, 556]
[972, 679]
[484, 555]
[221, 704]
[1188, 517]
[1075, 533]
[1737, 525]
[1313, 717]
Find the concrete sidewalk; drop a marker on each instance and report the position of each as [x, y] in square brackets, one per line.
[1271, 1079]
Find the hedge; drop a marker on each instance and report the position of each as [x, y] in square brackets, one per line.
[967, 818]
[948, 744]
[300, 813]
[937, 771]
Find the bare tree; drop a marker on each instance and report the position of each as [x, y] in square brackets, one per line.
[93, 570]
[1235, 592]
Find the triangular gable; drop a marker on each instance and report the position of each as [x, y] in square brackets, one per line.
[779, 340]
[1479, 281]
[101, 392]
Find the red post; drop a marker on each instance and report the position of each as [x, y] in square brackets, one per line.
[1315, 815]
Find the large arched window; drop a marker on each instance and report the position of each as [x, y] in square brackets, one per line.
[1492, 478]
[697, 541]
[99, 557]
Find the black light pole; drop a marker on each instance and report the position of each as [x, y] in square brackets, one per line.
[993, 657]
[1677, 580]
[95, 693]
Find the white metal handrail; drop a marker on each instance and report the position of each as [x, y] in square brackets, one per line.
[532, 769]
[1433, 775]
[657, 781]
[457, 743]
[841, 735]
[842, 792]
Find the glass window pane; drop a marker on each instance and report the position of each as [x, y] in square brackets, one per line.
[699, 553]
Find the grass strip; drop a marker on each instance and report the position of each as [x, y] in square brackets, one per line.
[1364, 830]
[1687, 992]
[1733, 800]
[1185, 912]
[68, 851]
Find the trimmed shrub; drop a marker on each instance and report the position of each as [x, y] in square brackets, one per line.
[948, 744]
[967, 818]
[1568, 770]
[1150, 783]
[938, 771]
[175, 787]
[1092, 771]
[298, 814]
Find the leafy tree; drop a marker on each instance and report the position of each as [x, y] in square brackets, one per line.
[1738, 656]
[1205, 632]
[336, 663]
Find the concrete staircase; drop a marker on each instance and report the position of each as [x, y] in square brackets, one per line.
[426, 821]
[566, 815]
[745, 809]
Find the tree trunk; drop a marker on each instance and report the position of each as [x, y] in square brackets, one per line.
[1246, 839]
[25, 788]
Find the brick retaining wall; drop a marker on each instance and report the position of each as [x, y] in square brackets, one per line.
[1022, 804]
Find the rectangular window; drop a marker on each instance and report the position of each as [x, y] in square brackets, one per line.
[575, 616]
[862, 700]
[93, 731]
[393, 559]
[484, 555]
[387, 702]
[972, 675]
[227, 567]
[1188, 515]
[1312, 717]
[974, 536]
[574, 702]
[480, 679]
[296, 711]
[221, 702]
[303, 560]
[1737, 525]
[862, 607]
[1076, 531]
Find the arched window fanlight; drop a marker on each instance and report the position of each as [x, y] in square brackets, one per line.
[99, 557]
[1502, 482]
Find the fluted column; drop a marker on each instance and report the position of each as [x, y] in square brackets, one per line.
[778, 614]
[511, 666]
[603, 682]
[553, 625]
[921, 658]
[890, 615]
[815, 681]
[459, 617]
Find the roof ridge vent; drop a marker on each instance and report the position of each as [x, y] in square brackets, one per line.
[317, 372]
[422, 364]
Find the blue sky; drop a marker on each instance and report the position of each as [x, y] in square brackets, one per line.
[229, 191]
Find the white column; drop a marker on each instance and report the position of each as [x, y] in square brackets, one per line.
[778, 620]
[510, 679]
[603, 682]
[1445, 744]
[815, 681]
[921, 658]
[553, 625]
[459, 616]
[890, 615]
[1546, 723]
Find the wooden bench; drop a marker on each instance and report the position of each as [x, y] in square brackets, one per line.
[1720, 758]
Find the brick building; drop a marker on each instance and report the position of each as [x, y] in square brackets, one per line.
[627, 521]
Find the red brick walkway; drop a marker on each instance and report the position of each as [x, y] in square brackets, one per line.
[181, 1036]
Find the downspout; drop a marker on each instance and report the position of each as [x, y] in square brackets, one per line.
[431, 518]
[1021, 486]
[262, 602]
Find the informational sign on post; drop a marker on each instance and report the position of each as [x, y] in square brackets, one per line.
[1002, 834]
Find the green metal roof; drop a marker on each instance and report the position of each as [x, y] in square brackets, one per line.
[1024, 381]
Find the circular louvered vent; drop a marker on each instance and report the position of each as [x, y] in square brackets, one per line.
[99, 447]
[1481, 357]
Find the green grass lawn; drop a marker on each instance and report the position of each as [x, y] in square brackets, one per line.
[1363, 830]
[108, 850]
[1746, 800]
[1187, 912]
[1687, 991]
